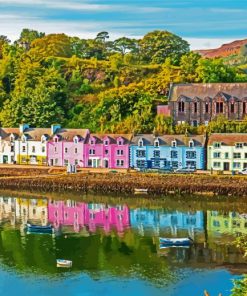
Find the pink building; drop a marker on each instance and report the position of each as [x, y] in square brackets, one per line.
[107, 151]
[163, 110]
[66, 146]
[79, 215]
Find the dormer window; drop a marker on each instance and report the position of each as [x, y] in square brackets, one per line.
[239, 145]
[56, 139]
[106, 142]
[91, 142]
[191, 144]
[43, 139]
[76, 140]
[120, 142]
[156, 143]
[12, 138]
[140, 143]
[23, 139]
[217, 144]
[174, 144]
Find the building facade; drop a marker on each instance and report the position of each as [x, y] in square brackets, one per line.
[107, 151]
[167, 152]
[8, 136]
[66, 146]
[199, 103]
[227, 152]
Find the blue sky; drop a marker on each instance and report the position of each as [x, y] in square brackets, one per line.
[204, 23]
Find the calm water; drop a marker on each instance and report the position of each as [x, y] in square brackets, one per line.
[115, 249]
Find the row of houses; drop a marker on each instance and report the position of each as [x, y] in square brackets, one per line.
[57, 146]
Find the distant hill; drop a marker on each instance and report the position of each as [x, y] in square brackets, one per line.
[224, 50]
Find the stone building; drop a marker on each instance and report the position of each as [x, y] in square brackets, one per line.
[198, 103]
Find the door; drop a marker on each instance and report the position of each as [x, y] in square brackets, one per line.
[51, 162]
[226, 166]
[5, 159]
[106, 163]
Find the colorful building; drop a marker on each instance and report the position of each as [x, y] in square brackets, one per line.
[8, 136]
[227, 152]
[107, 151]
[66, 146]
[166, 152]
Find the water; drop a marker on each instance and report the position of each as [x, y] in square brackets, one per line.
[114, 246]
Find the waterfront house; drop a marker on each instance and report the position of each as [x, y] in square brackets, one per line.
[148, 151]
[107, 151]
[8, 136]
[66, 146]
[227, 152]
[31, 145]
[198, 103]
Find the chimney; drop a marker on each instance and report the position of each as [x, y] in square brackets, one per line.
[54, 128]
[23, 127]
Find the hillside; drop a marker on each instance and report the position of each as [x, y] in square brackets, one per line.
[223, 51]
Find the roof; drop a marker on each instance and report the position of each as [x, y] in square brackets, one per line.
[35, 134]
[166, 140]
[112, 138]
[203, 90]
[227, 139]
[6, 132]
[69, 134]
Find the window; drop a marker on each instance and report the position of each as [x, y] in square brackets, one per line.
[174, 144]
[195, 107]
[140, 163]
[191, 154]
[65, 150]
[92, 152]
[219, 107]
[217, 145]
[174, 164]
[156, 143]
[56, 140]
[174, 154]
[206, 108]
[140, 153]
[90, 163]
[245, 155]
[191, 164]
[226, 155]
[23, 159]
[216, 155]
[66, 162]
[12, 148]
[56, 161]
[180, 106]
[91, 142]
[76, 140]
[23, 148]
[106, 152]
[55, 149]
[106, 143]
[120, 152]
[156, 154]
[191, 144]
[217, 165]
[120, 162]
[232, 108]
[120, 142]
[140, 143]
[76, 161]
[76, 150]
[156, 163]
[236, 155]
[239, 145]
[33, 149]
[236, 165]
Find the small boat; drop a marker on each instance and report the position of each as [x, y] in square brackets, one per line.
[141, 190]
[175, 242]
[64, 263]
[39, 228]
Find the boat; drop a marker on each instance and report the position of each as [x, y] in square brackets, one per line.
[64, 263]
[141, 190]
[175, 242]
[31, 228]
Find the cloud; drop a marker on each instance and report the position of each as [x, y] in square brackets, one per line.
[207, 43]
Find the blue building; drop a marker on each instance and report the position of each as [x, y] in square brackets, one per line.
[167, 152]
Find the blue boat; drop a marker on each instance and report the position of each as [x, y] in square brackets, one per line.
[40, 229]
[175, 242]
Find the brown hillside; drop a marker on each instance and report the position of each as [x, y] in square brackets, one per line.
[223, 51]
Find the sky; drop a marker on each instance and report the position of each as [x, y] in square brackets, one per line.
[203, 23]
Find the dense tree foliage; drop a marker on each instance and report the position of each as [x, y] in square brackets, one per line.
[101, 84]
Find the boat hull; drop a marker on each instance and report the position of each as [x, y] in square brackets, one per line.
[39, 229]
[64, 263]
[175, 241]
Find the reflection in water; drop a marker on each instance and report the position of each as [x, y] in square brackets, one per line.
[115, 239]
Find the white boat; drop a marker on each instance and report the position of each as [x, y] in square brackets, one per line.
[64, 263]
[141, 190]
[186, 241]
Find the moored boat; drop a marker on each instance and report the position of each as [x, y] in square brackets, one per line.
[39, 228]
[186, 241]
[64, 263]
[141, 190]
